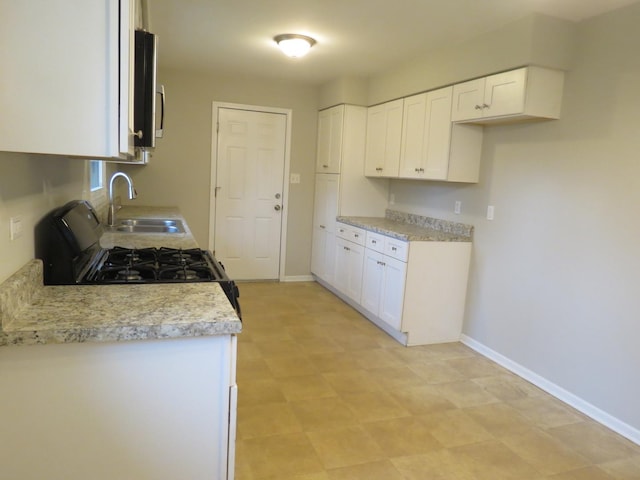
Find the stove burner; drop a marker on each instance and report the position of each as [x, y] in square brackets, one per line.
[180, 257]
[128, 275]
[186, 274]
[132, 257]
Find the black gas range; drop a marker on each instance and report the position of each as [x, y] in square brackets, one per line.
[67, 241]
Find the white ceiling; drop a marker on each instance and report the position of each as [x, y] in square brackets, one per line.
[355, 37]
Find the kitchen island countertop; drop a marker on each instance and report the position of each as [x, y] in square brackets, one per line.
[32, 313]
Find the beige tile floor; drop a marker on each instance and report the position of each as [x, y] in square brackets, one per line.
[325, 395]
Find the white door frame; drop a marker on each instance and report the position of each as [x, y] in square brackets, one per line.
[285, 180]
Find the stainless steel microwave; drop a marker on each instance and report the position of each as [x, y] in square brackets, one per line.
[146, 91]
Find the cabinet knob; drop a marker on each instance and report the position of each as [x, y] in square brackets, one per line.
[421, 170]
[277, 208]
[478, 107]
[484, 105]
[374, 242]
[394, 249]
[356, 235]
[322, 226]
[325, 166]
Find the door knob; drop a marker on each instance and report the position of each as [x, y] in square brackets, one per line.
[277, 195]
[277, 208]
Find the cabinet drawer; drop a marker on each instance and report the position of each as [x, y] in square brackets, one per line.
[397, 249]
[375, 241]
[351, 233]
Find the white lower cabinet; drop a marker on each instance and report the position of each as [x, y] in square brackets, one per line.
[348, 268]
[383, 287]
[415, 291]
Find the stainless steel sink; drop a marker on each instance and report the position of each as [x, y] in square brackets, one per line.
[150, 225]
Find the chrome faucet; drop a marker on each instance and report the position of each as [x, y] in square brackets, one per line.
[111, 217]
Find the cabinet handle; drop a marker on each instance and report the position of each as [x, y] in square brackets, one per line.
[356, 235]
[325, 166]
[374, 242]
[421, 170]
[322, 226]
[346, 248]
[478, 107]
[394, 249]
[484, 105]
[378, 169]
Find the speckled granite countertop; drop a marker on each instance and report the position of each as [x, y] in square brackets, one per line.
[32, 313]
[411, 228]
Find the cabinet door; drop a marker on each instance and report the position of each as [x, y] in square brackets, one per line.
[375, 146]
[468, 98]
[330, 131]
[438, 134]
[324, 225]
[413, 134]
[504, 93]
[372, 278]
[393, 138]
[60, 86]
[384, 139]
[349, 258]
[392, 292]
[355, 272]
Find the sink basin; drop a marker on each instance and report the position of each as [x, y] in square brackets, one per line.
[150, 225]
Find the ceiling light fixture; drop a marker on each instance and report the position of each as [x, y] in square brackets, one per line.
[294, 45]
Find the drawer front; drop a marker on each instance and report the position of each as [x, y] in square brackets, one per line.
[375, 241]
[342, 230]
[397, 249]
[351, 233]
[358, 235]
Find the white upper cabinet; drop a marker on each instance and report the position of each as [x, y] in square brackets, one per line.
[432, 147]
[62, 88]
[330, 131]
[525, 93]
[384, 138]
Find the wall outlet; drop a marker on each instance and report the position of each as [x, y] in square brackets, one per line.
[16, 227]
[490, 212]
[457, 207]
[294, 178]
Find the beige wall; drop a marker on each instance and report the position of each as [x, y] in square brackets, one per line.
[554, 283]
[179, 172]
[31, 186]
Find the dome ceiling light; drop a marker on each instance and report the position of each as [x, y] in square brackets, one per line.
[294, 45]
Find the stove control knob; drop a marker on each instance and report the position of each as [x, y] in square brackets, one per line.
[277, 208]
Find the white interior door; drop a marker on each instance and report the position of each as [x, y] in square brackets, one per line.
[249, 192]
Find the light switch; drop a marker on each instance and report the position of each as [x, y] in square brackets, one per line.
[490, 212]
[457, 207]
[16, 227]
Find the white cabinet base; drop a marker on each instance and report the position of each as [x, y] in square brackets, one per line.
[434, 296]
[157, 409]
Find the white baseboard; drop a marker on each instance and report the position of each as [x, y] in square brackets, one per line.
[560, 393]
[297, 278]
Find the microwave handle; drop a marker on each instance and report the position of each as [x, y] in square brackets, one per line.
[160, 131]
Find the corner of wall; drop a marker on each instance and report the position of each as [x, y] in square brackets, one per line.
[353, 90]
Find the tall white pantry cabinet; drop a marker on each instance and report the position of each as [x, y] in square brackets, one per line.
[345, 190]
